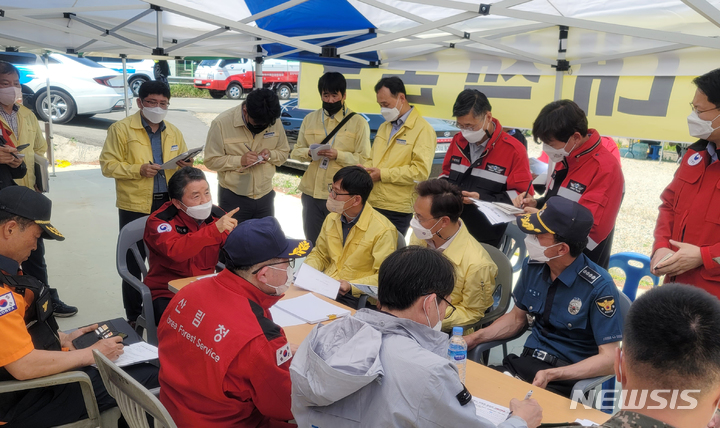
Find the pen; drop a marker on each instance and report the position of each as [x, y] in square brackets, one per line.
[528, 395]
[248, 147]
[522, 205]
[14, 155]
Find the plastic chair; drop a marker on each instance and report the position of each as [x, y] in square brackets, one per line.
[633, 274]
[107, 418]
[128, 240]
[134, 400]
[503, 287]
[400, 244]
[584, 385]
[514, 241]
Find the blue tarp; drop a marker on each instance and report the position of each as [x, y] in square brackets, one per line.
[314, 17]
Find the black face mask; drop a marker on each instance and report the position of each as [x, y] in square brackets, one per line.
[332, 108]
[255, 129]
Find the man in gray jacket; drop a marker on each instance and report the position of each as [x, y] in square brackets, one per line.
[389, 368]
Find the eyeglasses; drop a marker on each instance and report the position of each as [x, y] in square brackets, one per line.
[335, 194]
[290, 262]
[692, 106]
[152, 103]
[451, 306]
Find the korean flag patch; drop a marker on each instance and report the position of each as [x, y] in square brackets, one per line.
[283, 354]
[606, 305]
[7, 303]
[165, 227]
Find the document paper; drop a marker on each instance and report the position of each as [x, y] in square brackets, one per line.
[171, 164]
[284, 319]
[136, 353]
[495, 413]
[311, 279]
[311, 309]
[494, 214]
[370, 290]
[315, 148]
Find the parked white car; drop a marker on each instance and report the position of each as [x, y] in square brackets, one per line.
[78, 86]
[139, 71]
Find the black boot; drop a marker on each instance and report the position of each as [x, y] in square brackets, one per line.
[60, 309]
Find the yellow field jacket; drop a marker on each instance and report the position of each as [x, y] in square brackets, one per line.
[126, 148]
[352, 143]
[369, 242]
[229, 139]
[404, 161]
[29, 132]
[474, 278]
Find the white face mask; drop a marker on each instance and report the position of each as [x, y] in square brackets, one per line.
[199, 212]
[536, 251]
[475, 136]
[390, 114]
[556, 155]
[154, 114]
[420, 231]
[281, 289]
[438, 325]
[700, 128]
[9, 95]
[335, 206]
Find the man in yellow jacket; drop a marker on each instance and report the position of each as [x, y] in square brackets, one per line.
[244, 145]
[437, 225]
[355, 238]
[134, 150]
[350, 146]
[402, 153]
[22, 129]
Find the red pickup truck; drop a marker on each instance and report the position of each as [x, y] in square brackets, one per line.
[236, 77]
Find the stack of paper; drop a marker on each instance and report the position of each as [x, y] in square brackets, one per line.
[312, 279]
[284, 319]
[311, 309]
[493, 213]
[493, 412]
[370, 290]
[136, 353]
[315, 148]
[509, 209]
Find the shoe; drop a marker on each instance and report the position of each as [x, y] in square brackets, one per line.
[61, 310]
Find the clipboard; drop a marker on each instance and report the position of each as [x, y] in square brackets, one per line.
[171, 164]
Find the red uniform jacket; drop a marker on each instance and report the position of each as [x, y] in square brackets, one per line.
[690, 212]
[594, 180]
[180, 247]
[223, 362]
[499, 175]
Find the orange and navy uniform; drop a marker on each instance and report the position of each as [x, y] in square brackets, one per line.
[14, 336]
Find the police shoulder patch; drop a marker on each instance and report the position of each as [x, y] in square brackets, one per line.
[283, 354]
[7, 303]
[589, 275]
[606, 305]
[164, 227]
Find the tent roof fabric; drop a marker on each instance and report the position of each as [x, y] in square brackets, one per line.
[437, 35]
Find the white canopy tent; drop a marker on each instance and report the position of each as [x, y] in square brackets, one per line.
[529, 38]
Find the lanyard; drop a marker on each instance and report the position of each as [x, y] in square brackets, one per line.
[332, 143]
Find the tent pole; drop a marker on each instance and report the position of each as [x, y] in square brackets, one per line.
[51, 151]
[562, 64]
[125, 85]
[258, 68]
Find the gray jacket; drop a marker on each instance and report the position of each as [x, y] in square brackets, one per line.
[377, 370]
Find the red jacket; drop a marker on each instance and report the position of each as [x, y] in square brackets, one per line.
[500, 175]
[594, 180]
[180, 247]
[223, 362]
[690, 212]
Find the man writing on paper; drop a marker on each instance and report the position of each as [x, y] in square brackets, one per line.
[355, 238]
[585, 172]
[19, 127]
[389, 368]
[571, 301]
[485, 162]
[350, 146]
[32, 345]
[402, 153]
[133, 152]
[688, 224]
[437, 225]
[223, 361]
[244, 145]
[184, 236]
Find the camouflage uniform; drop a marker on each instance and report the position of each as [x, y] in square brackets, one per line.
[627, 419]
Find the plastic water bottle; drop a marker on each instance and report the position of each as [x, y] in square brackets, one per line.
[457, 351]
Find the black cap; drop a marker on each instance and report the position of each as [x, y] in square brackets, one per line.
[560, 216]
[29, 204]
[259, 240]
